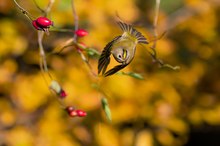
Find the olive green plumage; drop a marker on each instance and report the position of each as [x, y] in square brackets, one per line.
[122, 48]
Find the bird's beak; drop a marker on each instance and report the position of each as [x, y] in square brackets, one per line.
[125, 54]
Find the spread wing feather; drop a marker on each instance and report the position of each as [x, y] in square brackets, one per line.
[104, 59]
[115, 69]
[128, 28]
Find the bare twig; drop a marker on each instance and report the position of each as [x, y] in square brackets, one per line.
[87, 63]
[41, 51]
[76, 20]
[55, 29]
[49, 6]
[25, 12]
[76, 24]
[42, 11]
[43, 61]
[153, 51]
[157, 8]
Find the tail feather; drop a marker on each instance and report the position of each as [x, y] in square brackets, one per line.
[128, 28]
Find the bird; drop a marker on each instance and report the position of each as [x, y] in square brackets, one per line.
[122, 47]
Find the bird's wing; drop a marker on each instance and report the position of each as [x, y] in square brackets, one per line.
[115, 69]
[133, 32]
[104, 59]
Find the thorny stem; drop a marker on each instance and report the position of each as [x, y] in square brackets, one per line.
[23, 11]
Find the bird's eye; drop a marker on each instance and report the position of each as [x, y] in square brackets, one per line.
[119, 56]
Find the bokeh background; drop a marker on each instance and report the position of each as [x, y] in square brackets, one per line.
[167, 108]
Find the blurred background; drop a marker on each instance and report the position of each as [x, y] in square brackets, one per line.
[167, 108]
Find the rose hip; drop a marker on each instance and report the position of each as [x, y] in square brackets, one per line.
[81, 32]
[44, 22]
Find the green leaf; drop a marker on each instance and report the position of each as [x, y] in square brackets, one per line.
[92, 52]
[106, 108]
[133, 75]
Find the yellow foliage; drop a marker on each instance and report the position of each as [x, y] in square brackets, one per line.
[106, 135]
[159, 109]
[165, 137]
[127, 137]
[30, 92]
[20, 136]
[144, 138]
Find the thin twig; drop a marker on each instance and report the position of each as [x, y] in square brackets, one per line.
[153, 52]
[76, 20]
[49, 6]
[42, 11]
[87, 63]
[43, 62]
[157, 9]
[25, 12]
[60, 29]
[76, 24]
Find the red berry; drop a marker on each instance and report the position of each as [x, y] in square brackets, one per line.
[69, 108]
[34, 23]
[81, 32]
[73, 113]
[44, 22]
[62, 94]
[81, 113]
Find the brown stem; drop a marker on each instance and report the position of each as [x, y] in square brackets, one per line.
[76, 20]
[49, 6]
[42, 11]
[157, 8]
[23, 11]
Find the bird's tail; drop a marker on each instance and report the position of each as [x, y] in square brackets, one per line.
[129, 29]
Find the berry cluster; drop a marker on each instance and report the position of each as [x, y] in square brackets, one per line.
[75, 112]
[72, 112]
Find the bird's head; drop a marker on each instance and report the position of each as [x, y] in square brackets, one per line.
[120, 55]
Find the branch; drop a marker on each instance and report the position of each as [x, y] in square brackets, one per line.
[42, 11]
[49, 6]
[76, 20]
[43, 61]
[25, 12]
[157, 8]
[153, 51]
[76, 24]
